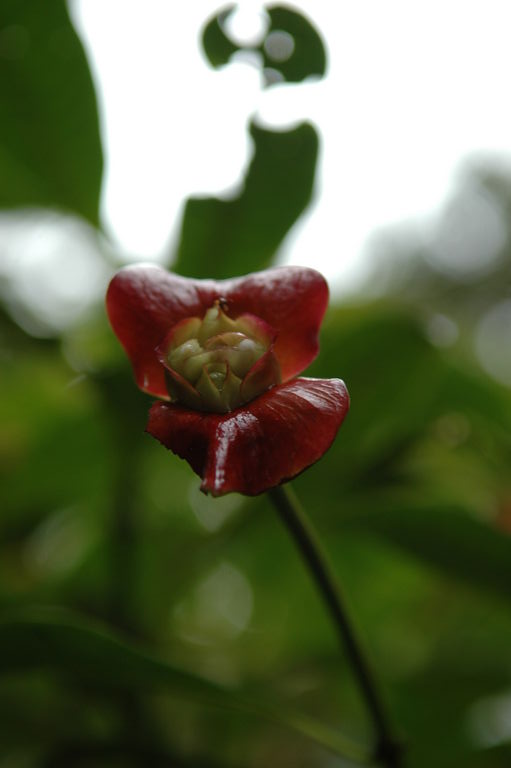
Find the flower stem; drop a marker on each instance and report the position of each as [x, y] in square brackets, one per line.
[388, 748]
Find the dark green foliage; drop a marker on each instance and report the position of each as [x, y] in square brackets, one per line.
[142, 623]
[307, 58]
[221, 238]
[50, 151]
[217, 46]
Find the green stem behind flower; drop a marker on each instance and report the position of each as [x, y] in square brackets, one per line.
[388, 750]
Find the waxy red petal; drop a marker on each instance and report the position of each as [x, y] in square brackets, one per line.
[260, 445]
[145, 301]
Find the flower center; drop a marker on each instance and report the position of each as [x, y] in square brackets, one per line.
[218, 363]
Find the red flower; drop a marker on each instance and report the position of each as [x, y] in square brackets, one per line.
[218, 350]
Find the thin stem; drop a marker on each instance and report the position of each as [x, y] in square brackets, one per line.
[388, 749]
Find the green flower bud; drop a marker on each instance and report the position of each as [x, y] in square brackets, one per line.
[218, 363]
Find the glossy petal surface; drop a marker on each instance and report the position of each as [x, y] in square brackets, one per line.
[145, 301]
[272, 439]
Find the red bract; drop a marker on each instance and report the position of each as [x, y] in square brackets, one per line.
[276, 316]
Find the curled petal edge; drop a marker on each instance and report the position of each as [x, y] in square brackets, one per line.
[263, 444]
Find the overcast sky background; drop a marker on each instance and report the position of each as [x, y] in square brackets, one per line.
[412, 88]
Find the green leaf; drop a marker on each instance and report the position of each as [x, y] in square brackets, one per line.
[391, 373]
[217, 46]
[423, 454]
[401, 386]
[50, 149]
[54, 641]
[447, 538]
[308, 57]
[304, 58]
[221, 238]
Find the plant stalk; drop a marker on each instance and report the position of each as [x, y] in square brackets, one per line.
[388, 749]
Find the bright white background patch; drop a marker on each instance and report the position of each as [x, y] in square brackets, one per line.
[411, 89]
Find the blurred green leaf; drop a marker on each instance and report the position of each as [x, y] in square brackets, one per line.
[50, 149]
[79, 650]
[391, 372]
[217, 46]
[400, 387]
[222, 238]
[308, 57]
[448, 538]
[422, 457]
[296, 55]
[54, 450]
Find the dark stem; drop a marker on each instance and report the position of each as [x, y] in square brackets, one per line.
[388, 748]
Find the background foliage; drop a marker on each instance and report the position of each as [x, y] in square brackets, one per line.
[144, 624]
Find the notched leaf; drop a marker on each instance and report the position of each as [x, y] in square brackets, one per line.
[291, 49]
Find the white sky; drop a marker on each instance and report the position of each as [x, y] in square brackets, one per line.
[412, 88]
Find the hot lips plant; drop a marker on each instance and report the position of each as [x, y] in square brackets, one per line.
[223, 358]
